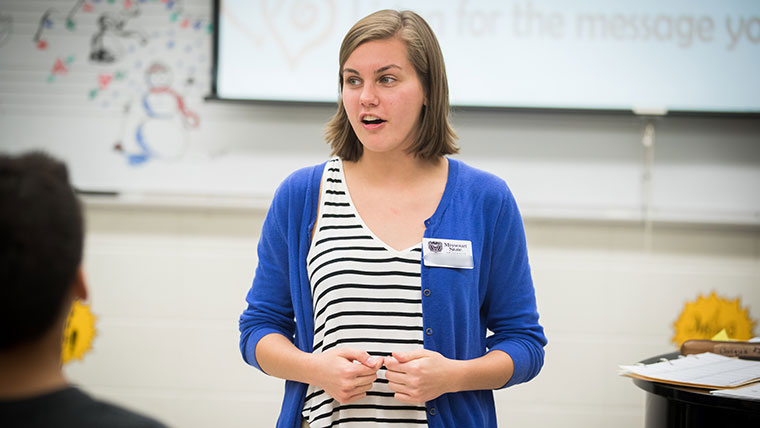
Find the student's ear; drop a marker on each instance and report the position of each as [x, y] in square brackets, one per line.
[80, 285]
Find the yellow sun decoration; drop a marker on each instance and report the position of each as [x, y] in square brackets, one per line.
[705, 317]
[78, 333]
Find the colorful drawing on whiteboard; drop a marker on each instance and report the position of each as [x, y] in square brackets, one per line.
[158, 128]
[6, 28]
[46, 22]
[106, 45]
[149, 73]
[60, 67]
[104, 80]
[48, 19]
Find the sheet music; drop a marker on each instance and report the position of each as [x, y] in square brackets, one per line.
[749, 392]
[705, 370]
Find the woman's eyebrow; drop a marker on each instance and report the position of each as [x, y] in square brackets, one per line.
[378, 71]
[386, 68]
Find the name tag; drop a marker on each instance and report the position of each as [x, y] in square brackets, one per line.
[450, 253]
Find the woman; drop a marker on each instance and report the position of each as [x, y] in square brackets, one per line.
[381, 271]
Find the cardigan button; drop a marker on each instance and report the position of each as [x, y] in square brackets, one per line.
[429, 331]
[426, 292]
[433, 411]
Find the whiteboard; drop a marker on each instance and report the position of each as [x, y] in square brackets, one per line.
[645, 56]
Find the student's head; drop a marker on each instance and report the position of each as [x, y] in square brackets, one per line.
[41, 239]
[433, 135]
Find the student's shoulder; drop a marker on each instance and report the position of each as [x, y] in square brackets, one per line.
[97, 413]
[113, 416]
[72, 407]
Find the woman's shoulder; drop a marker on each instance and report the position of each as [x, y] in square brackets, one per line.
[302, 178]
[485, 193]
[479, 182]
[298, 188]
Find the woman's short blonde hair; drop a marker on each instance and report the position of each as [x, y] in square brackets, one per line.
[435, 137]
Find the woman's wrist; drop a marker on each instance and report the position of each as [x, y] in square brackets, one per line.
[460, 371]
[491, 371]
[309, 368]
[278, 357]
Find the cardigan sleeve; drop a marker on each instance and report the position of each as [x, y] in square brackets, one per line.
[270, 308]
[510, 301]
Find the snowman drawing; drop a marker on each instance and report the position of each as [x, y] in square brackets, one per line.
[161, 121]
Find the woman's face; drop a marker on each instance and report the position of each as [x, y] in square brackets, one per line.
[382, 95]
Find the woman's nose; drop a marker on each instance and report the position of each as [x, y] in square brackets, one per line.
[368, 96]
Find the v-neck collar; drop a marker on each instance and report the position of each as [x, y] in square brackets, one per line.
[453, 168]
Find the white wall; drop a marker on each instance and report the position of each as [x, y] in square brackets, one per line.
[168, 286]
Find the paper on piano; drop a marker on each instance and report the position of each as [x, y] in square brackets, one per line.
[705, 370]
[749, 392]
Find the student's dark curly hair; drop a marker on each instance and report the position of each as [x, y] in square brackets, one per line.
[41, 239]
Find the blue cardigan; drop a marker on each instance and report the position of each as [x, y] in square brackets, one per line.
[459, 305]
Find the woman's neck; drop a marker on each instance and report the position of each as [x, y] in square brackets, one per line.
[395, 169]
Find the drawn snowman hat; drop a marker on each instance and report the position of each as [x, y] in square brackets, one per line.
[158, 74]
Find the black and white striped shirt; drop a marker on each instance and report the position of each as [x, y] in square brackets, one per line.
[366, 296]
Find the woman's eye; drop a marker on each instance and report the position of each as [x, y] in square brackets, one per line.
[352, 81]
[386, 80]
